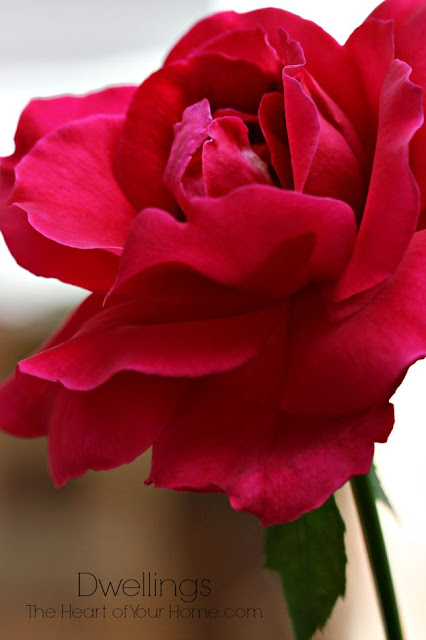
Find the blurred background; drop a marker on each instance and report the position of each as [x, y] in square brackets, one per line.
[109, 523]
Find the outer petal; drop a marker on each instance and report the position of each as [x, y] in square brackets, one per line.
[274, 465]
[245, 44]
[328, 62]
[25, 412]
[91, 269]
[111, 425]
[70, 173]
[121, 340]
[410, 28]
[43, 115]
[257, 238]
[392, 207]
[345, 367]
[177, 292]
[398, 9]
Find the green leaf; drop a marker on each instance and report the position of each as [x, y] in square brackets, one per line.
[378, 490]
[309, 555]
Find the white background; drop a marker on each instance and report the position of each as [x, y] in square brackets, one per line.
[49, 47]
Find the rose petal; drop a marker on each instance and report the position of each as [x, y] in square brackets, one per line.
[245, 44]
[147, 137]
[111, 425]
[287, 479]
[85, 311]
[249, 119]
[90, 269]
[301, 114]
[330, 111]
[322, 159]
[373, 40]
[327, 61]
[238, 84]
[393, 199]
[368, 351]
[257, 238]
[272, 122]
[274, 465]
[190, 134]
[160, 102]
[24, 414]
[66, 185]
[43, 115]
[25, 411]
[398, 9]
[335, 171]
[181, 293]
[124, 339]
[410, 25]
[302, 129]
[228, 159]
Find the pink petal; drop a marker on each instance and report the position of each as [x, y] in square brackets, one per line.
[327, 61]
[248, 118]
[301, 114]
[128, 337]
[43, 115]
[159, 104]
[190, 134]
[346, 366]
[87, 310]
[274, 465]
[228, 159]
[392, 207]
[91, 269]
[335, 171]
[245, 44]
[398, 9]
[373, 40]
[322, 159]
[257, 238]
[111, 425]
[302, 129]
[273, 125]
[25, 410]
[410, 25]
[39, 118]
[147, 138]
[180, 293]
[329, 110]
[288, 478]
[67, 187]
[24, 414]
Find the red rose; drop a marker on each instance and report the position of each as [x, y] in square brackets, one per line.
[249, 227]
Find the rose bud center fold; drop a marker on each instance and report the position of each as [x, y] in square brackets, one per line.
[297, 139]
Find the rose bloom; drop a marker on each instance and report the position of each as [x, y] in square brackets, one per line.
[249, 224]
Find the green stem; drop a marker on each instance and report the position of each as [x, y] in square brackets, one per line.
[367, 510]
